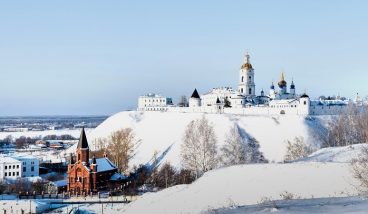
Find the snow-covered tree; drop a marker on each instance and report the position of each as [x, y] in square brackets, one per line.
[239, 149]
[199, 147]
[297, 149]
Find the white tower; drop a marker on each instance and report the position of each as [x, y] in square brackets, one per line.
[246, 81]
[304, 105]
[195, 99]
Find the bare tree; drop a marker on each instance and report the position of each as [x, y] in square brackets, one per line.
[350, 127]
[360, 169]
[166, 176]
[199, 147]
[121, 147]
[236, 149]
[297, 149]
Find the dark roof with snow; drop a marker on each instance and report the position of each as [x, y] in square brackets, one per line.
[117, 177]
[195, 94]
[83, 143]
[104, 164]
[304, 96]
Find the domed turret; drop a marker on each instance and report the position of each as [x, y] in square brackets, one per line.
[282, 83]
[292, 88]
[272, 87]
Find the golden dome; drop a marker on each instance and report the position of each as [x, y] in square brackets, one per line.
[282, 83]
[247, 66]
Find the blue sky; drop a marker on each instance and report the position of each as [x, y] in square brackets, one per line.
[96, 57]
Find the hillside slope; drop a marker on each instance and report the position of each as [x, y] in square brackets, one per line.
[250, 184]
[159, 130]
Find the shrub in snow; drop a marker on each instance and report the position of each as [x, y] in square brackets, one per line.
[288, 196]
[360, 169]
[297, 149]
[199, 147]
[239, 149]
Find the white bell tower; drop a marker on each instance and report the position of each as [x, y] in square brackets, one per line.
[246, 81]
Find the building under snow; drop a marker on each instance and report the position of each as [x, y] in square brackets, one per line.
[10, 168]
[30, 164]
[279, 100]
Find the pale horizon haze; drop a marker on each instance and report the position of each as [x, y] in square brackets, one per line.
[96, 57]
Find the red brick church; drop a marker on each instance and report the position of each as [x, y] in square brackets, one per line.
[90, 175]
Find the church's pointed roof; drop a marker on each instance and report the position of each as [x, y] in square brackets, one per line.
[195, 94]
[83, 143]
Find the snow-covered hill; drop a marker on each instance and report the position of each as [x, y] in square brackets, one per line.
[159, 130]
[250, 184]
[322, 177]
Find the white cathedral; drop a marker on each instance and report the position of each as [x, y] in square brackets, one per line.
[244, 101]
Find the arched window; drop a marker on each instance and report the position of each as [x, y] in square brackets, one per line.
[250, 78]
[250, 91]
[305, 102]
[242, 79]
[241, 90]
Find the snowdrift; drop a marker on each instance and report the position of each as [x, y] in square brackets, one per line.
[159, 130]
[343, 154]
[250, 184]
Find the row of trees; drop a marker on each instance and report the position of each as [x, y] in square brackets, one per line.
[23, 141]
[199, 152]
[350, 127]
[23, 186]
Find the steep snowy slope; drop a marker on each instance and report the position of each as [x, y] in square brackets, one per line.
[159, 130]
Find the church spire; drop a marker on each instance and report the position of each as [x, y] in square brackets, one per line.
[83, 144]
